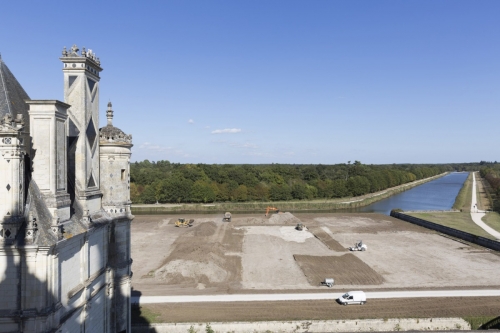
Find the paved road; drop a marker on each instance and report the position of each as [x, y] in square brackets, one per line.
[316, 296]
[477, 215]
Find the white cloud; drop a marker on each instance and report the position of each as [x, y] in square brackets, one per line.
[227, 130]
[191, 121]
[244, 145]
[146, 146]
[158, 148]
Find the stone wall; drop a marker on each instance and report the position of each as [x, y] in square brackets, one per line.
[488, 243]
[365, 325]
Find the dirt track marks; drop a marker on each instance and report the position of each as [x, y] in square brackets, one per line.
[327, 310]
[198, 258]
[326, 239]
[346, 270]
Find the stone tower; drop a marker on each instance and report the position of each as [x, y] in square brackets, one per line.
[115, 166]
[81, 91]
[115, 186]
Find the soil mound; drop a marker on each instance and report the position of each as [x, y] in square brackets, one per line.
[199, 260]
[283, 218]
[205, 229]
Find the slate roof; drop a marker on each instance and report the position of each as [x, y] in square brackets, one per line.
[12, 96]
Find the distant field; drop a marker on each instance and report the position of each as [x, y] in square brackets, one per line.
[457, 220]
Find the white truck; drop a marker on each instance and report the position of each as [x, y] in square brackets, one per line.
[352, 297]
[329, 282]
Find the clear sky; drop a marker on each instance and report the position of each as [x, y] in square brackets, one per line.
[301, 82]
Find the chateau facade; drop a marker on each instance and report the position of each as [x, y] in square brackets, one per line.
[64, 207]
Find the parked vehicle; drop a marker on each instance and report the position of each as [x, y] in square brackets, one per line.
[359, 246]
[184, 223]
[329, 282]
[352, 297]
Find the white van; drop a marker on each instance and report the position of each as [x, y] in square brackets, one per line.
[352, 297]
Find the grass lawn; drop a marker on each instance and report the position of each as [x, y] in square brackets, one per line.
[457, 220]
[493, 220]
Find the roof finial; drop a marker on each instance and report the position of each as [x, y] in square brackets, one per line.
[109, 114]
[74, 50]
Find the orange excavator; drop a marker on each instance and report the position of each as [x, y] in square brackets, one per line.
[271, 208]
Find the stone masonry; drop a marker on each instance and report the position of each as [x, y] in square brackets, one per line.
[64, 207]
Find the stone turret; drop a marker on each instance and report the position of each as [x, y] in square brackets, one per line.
[115, 151]
[115, 186]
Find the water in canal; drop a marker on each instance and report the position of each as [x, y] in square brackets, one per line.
[438, 194]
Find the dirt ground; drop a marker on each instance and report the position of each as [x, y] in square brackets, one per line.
[254, 253]
[347, 269]
[325, 310]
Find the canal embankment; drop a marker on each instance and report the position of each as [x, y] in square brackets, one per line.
[460, 224]
[460, 218]
[488, 242]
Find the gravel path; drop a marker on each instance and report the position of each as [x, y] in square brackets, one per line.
[314, 296]
[477, 215]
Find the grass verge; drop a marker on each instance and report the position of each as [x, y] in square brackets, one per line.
[456, 220]
[464, 198]
[144, 315]
[476, 323]
[493, 220]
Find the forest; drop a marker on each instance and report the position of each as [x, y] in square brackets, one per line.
[166, 182]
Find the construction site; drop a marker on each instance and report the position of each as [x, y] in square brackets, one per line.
[297, 253]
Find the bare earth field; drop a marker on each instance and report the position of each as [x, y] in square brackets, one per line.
[324, 310]
[256, 254]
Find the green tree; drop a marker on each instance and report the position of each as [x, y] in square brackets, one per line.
[202, 191]
[240, 193]
[280, 192]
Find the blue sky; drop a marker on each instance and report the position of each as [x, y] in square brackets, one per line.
[278, 81]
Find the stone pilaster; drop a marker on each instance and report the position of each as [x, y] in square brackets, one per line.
[12, 185]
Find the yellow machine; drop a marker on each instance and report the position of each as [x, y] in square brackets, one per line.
[271, 208]
[184, 223]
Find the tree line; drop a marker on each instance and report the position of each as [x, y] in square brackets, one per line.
[491, 172]
[166, 182]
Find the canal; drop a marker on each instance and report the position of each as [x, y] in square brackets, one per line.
[438, 194]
